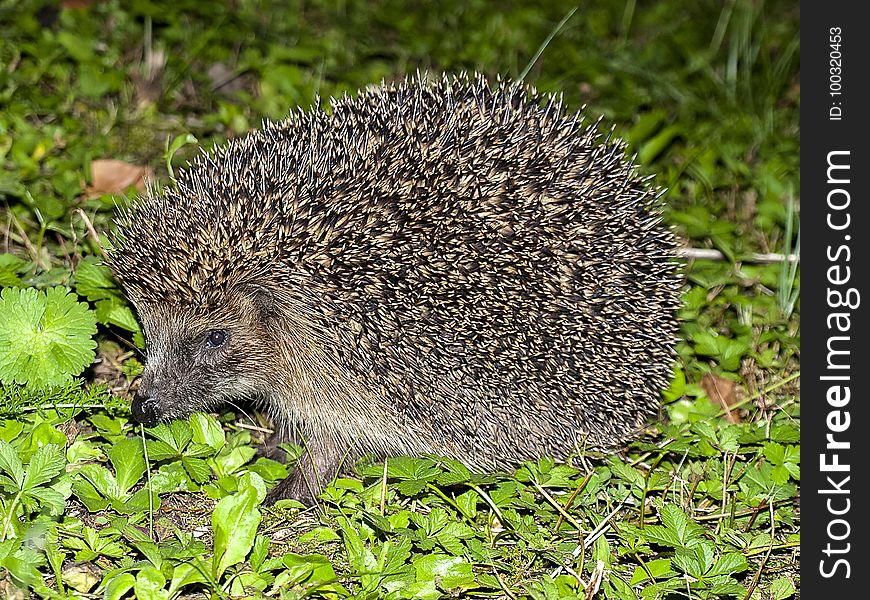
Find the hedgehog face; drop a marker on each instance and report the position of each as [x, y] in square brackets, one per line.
[198, 359]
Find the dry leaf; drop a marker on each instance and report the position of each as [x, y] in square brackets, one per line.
[594, 581]
[82, 576]
[724, 393]
[115, 177]
[148, 80]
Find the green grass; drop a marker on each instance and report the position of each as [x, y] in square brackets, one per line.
[705, 506]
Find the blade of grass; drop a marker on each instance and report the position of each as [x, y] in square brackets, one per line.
[546, 43]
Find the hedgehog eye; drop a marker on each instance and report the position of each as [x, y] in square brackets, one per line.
[216, 338]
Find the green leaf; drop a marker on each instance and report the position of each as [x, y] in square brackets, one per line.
[725, 350]
[45, 337]
[271, 470]
[313, 569]
[678, 531]
[206, 430]
[677, 387]
[7, 547]
[45, 464]
[319, 534]
[455, 473]
[627, 474]
[453, 573]
[231, 460]
[687, 561]
[728, 564]
[196, 450]
[102, 481]
[149, 549]
[411, 487]
[114, 311]
[88, 494]
[659, 569]
[159, 450]
[645, 125]
[651, 149]
[181, 434]
[467, 502]
[128, 459]
[50, 498]
[171, 477]
[782, 588]
[235, 520]
[393, 564]
[759, 484]
[259, 552]
[620, 589]
[10, 267]
[404, 467]
[358, 554]
[602, 551]
[11, 464]
[197, 469]
[150, 584]
[141, 501]
[187, 573]
[177, 143]
[95, 281]
[118, 586]
[172, 439]
[725, 587]
[22, 570]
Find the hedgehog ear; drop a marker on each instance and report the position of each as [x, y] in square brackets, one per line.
[260, 295]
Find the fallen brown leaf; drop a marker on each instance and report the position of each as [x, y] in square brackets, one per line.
[724, 393]
[110, 176]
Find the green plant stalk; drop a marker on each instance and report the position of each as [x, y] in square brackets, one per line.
[558, 507]
[627, 18]
[450, 501]
[572, 497]
[150, 488]
[786, 294]
[782, 546]
[492, 505]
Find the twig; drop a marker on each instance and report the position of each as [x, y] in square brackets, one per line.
[754, 583]
[34, 253]
[601, 527]
[92, 232]
[572, 497]
[755, 257]
[256, 428]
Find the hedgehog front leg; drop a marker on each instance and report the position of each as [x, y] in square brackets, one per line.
[316, 467]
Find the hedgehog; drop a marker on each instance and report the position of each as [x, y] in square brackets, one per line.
[435, 266]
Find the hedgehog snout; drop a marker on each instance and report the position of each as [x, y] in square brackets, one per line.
[146, 405]
[144, 409]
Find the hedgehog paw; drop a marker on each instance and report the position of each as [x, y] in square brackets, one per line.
[295, 487]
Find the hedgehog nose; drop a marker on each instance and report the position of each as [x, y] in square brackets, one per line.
[144, 409]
